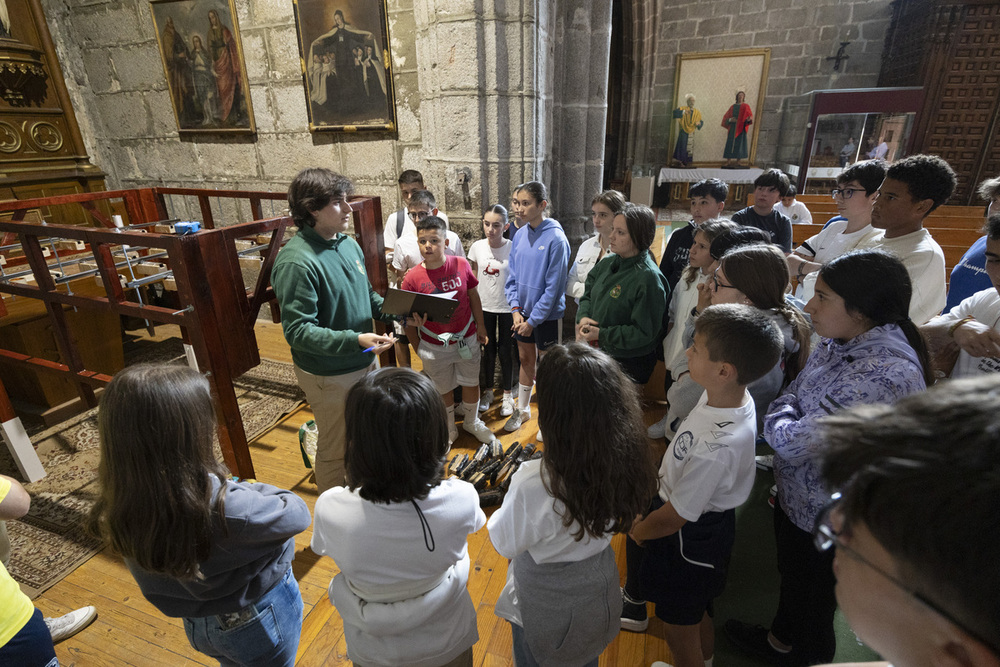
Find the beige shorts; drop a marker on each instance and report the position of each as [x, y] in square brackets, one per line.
[445, 366]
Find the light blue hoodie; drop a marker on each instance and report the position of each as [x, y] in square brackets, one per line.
[537, 272]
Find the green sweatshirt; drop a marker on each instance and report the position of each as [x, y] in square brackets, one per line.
[326, 302]
[627, 298]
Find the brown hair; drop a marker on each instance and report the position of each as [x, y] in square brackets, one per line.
[742, 336]
[711, 229]
[761, 272]
[156, 504]
[597, 459]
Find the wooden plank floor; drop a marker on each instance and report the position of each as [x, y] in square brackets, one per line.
[130, 631]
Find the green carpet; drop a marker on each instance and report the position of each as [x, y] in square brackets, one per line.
[752, 590]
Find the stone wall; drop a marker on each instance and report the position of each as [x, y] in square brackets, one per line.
[801, 35]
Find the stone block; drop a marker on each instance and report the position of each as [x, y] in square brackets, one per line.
[455, 53]
[100, 72]
[289, 108]
[871, 10]
[149, 163]
[263, 110]
[714, 26]
[163, 121]
[283, 49]
[731, 41]
[402, 30]
[284, 155]
[255, 54]
[138, 67]
[788, 18]
[770, 38]
[781, 87]
[123, 115]
[120, 159]
[369, 159]
[106, 26]
[269, 12]
[787, 51]
[228, 160]
[456, 126]
[179, 159]
[752, 6]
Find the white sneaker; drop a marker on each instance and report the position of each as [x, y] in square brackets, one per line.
[765, 461]
[452, 433]
[514, 423]
[67, 625]
[659, 429]
[507, 406]
[486, 400]
[479, 430]
[538, 436]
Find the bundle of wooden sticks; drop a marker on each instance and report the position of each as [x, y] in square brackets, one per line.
[491, 468]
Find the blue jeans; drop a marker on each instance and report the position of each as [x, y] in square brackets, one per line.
[268, 637]
[31, 646]
[522, 654]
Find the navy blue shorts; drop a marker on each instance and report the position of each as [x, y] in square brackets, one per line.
[684, 572]
[544, 336]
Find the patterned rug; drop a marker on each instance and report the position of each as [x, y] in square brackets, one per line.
[50, 542]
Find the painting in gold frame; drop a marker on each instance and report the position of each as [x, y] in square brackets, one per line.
[203, 61]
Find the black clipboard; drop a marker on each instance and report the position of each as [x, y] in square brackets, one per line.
[401, 303]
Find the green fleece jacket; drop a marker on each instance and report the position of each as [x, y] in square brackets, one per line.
[326, 302]
[626, 297]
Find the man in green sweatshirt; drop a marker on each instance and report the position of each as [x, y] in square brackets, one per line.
[327, 307]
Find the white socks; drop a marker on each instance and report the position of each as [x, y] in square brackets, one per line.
[471, 411]
[524, 398]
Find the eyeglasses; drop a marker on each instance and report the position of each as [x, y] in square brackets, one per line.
[846, 193]
[417, 216]
[718, 283]
[825, 537]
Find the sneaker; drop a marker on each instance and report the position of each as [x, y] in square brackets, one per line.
[752, 640]
[660, 663]
[507, 407]
[538, 437]
[479, 430]
[514, 423]
[67, 625]
[452, 433]
[765, 462]
[486, 400]
[659, 429]
[633, 617]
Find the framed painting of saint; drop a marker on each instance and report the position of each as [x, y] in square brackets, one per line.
[716, 107]
[203, 61]
[346, 68]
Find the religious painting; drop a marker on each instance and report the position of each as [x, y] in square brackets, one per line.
[346, 68]
[203, 61]
[716, 107]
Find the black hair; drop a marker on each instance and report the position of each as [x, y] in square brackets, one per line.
[869, 174]
[876, 285]
[993, 227]
[537, 190]
[432, 222]
[742, 336]
[410, 176]
[923, 477]
[926, 177]
[735, 238]
[709, 187]
[773, 178]
[792, 191]
[312, 190]
[422, 198]
[641, 224]
[397, 436]
[499, 210]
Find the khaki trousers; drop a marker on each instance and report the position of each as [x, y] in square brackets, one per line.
[327, 396]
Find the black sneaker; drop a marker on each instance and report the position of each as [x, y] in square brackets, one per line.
[634, 617]
[752, 640]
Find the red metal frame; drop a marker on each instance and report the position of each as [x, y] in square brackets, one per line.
[218, 314]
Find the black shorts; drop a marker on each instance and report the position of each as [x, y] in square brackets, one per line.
[684, 572]
[544, 336]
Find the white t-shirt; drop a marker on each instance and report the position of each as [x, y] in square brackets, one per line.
[491, 270]
[389, 237]
[924, 261]
[797, 212]
[532, 520]
[710, 466]
[984, 306]
[683, 299]
[406, 253]
[401, 602]
[829, 244]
